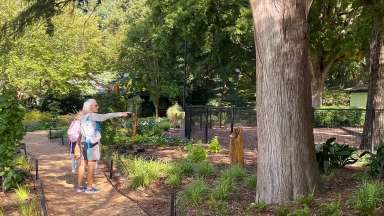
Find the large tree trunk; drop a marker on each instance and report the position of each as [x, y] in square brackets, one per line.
[286, 163]
[374, 117]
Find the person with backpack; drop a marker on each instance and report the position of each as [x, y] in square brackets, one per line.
[90, 142]
[74, 136]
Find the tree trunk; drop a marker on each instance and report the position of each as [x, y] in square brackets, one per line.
[156, 102]
[320, 67]
[374, 117]
[286, 163]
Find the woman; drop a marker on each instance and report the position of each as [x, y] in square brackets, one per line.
[90, 142]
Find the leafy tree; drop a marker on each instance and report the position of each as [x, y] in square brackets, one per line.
[337, 35]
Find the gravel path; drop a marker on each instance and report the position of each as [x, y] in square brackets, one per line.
[55, 171]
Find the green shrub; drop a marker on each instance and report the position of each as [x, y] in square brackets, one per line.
[141, 172]
[301, 212]
[164, 124]
[175, 114]
[195, 192]
[332, 117]
[281, 211]
[11, 132]
[233, 174]
[196, 153]
[174, 179]
[214, 145]
[203, 169]
[376, 162]
[37, 116]
[331, 155]
[368, 197]
[259, 207]
[148, 126]
[222, 189]
[250, 182]
[26, 205]
[331, 209]
[307, 200]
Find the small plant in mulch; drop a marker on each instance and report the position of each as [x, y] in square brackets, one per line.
[308, 200]
[250, 182]
[258, 207]
[331, 209]
[301, 212]
[26, 204]
[281, 211]
[195, 192]
[214, 145]
[368, 197]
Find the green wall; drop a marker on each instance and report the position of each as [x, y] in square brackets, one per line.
[358, 99]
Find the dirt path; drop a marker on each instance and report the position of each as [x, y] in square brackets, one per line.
[55, 171]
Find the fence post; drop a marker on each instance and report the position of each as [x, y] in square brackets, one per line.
[186, 123]
[37, 169]
[111, 169]
[1, 184]
[173, 209]
[220, 118]
[232, 118]
[25, 149]
[206, 125]
[201, 121]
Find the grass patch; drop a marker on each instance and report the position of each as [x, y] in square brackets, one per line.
[141, 172]
[331, 209]
[195, 192]
[368, 197]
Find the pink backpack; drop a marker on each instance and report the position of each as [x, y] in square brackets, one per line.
[74, 131]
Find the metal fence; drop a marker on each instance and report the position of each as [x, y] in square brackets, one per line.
[346, 125]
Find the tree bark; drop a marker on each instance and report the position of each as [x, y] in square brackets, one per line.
[374, 117]
[319, 67]
[286, 163]
[156, 103]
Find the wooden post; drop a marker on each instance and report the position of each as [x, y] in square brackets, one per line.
[134, 124]
[237, 147]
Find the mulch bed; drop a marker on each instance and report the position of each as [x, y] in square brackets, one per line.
[156, 198]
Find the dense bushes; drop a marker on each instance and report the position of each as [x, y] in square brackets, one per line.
[11, 132]
[338, 117]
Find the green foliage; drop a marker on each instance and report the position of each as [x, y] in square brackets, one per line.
[233, 174]
[36, 115]
[11, 132]
[301, 212]
[376, 162]
[196, 153]
[29, 208]
[203, 169]
[331, 155]
[259, 207]
[148, 126]
[331, 209]
[281, 211]
[368, 197]
[336, 98]
[140, 172]
[175, 114]
[22, 194]
[214, 145]
[222, 189]
[250, 182]
[2, 212]
[219, 208]
[195, 192]
[338, 117]
[308, 200]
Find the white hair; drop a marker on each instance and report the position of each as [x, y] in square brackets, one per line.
[87, 105]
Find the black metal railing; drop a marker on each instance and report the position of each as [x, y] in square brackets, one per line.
[346, 125]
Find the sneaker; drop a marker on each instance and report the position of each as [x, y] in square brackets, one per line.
[91, 190]
[81, 189]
